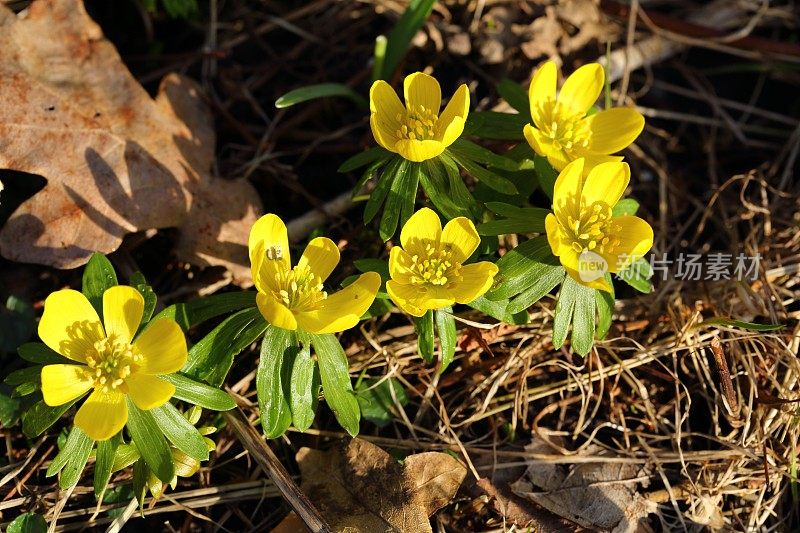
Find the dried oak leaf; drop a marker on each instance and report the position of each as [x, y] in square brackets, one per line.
[359, 487]
[116, 160]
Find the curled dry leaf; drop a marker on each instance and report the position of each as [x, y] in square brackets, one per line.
[359, 487]
[116, 161]
[602, 496]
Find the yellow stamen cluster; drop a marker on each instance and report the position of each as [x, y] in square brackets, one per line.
[109, 362]
[434, 267]
[565, 128]
[419, 123]
[593, 229]
[300, 289]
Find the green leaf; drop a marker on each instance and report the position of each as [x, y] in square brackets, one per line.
[385, 182]
[373, 265]
[400, 201]
[499, 310]
[367, 157]
[76, 453]
[434, 181]
[446, 328]
[304, 385]
[604, 302]
[41, 416]
[638, 275]
[200, 394]
[487, 177]
[180, 432]
[626, 206]
[548, 280]
[212, 357]
[732, 323]
[190, 314]
[426, 338]
[336, 386]
[546, 174]
[565, 305]
[17, 321]
[465, 149]
[24, 375]
[456, 189]
[150, 442]
[495, 125]
[522, 267]
[583, 320]
[106, 450]
[9, 410]
[140, 474]
[38, 353]
[516, 96]
[98, 276]
[376, 401]
[125, 456]
[512, 226]
[321, 90]
[400, 37]
[28, 523]
[140, 284]
[276, 415]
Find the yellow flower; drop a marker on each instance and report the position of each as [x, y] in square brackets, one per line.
[292, 298]
[562, 132]
[427, 271]
[110, 362]
[582, 231]
[416, 131]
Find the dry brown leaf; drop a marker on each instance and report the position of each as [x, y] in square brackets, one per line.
[116, 161]
[359, 487]
[601, 496]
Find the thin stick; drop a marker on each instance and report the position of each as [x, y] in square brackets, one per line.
[268, 462]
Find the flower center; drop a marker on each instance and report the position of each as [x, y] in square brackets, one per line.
[593, 229]
[109, 362]
[434, 267]
[418, 123]
[566, 130]
[299, 289]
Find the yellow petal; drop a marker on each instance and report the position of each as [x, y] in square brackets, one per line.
[542, 145]
[614, 129]
[64, 383]
[342, 310]
[422, 228]
[553, 230]
[542, 92]
[569, 257]
[636, 239]
[122, 312]
[149, 392]
[460, 236]
[70, 325]
[451, 122]
[406, 297]
[422, 90]
[269, 249]
[582, 88]
[400, 264]
[383, 99]
[568, 185]
[275, 312]
[162, 346]
[415, 150]
[102, 415]
[384, 131]
[606, 183]
[321, 255]
[477, 278]
[592, 160]
[599, 283]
